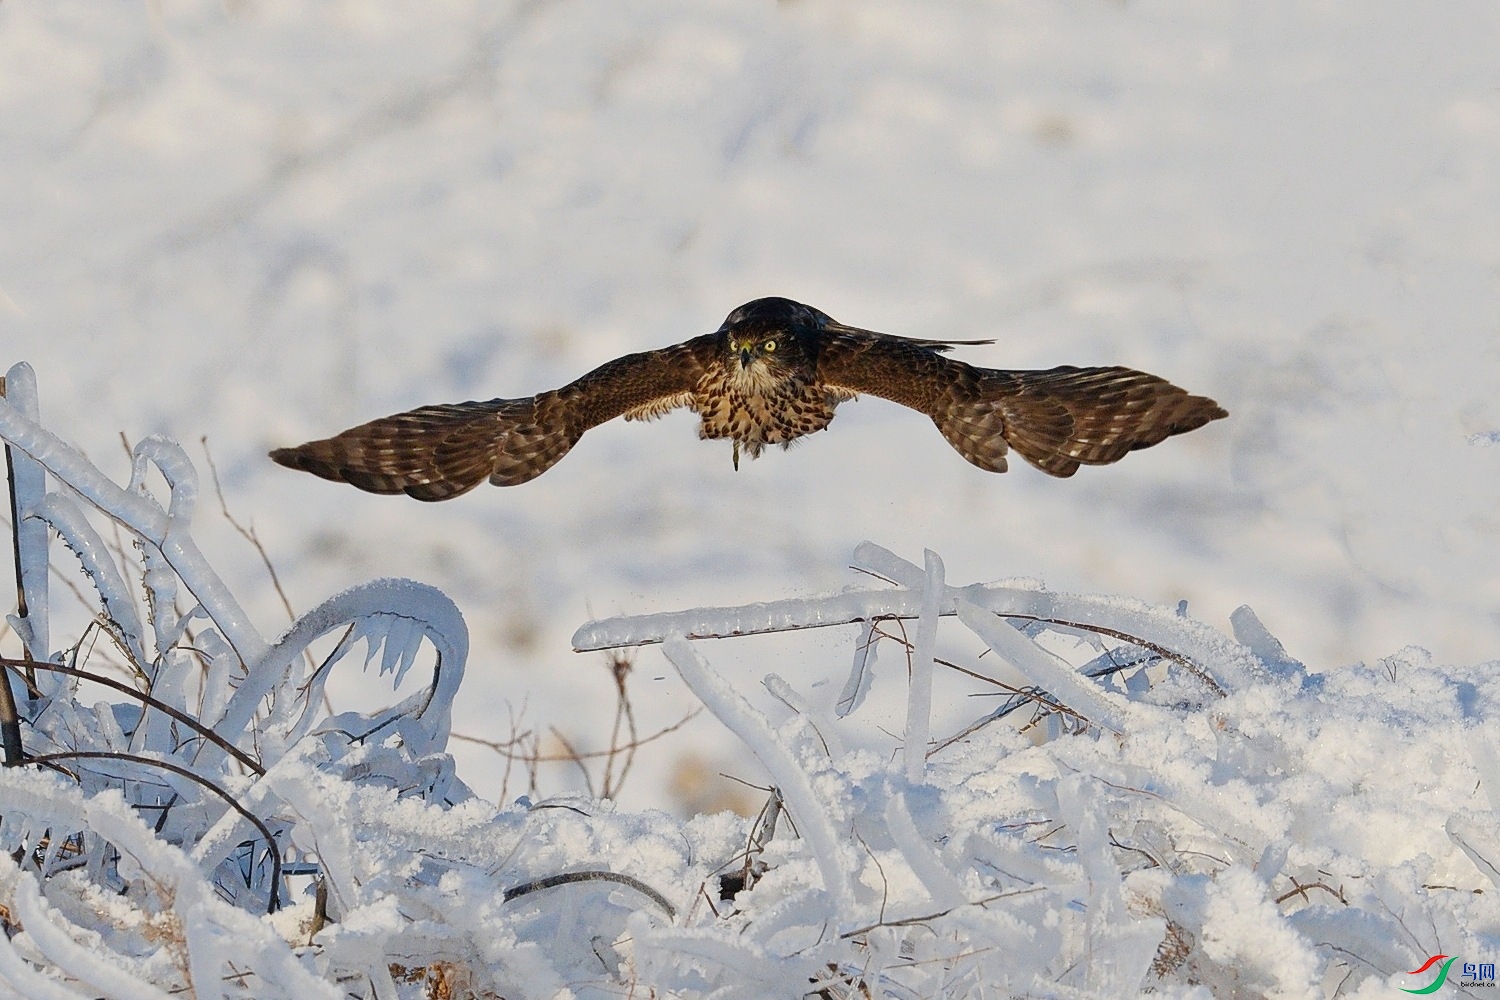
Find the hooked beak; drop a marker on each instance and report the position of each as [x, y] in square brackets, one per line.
[744, 357]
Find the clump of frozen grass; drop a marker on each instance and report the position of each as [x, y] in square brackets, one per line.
[1176, 808]
[1142, 803]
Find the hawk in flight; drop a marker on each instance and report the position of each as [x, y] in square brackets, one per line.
[774, 371]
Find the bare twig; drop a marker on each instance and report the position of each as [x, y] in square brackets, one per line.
[248, 533]
[504, 747]
[909, 921]
[573, 755]
[320, 909]
[499, 746]
[620, 665]
[1300, 889]
[1019, 696]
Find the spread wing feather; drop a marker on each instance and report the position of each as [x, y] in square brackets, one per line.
[1057, 419]
[437, 452]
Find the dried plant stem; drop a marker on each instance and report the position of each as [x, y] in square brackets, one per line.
[146, 699]
[10, 719]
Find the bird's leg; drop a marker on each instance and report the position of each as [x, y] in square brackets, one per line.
[736, 455]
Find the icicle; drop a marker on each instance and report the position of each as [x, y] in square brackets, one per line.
[182, 479]
[861, 672]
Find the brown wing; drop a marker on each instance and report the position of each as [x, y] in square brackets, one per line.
[437, 452]
[1057, 419]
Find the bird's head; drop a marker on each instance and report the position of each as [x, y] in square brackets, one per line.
[766, 340]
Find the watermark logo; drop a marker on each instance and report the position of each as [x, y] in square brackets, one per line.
[1471, 973]
[1442, 975]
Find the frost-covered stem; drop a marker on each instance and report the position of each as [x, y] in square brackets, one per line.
[56, 938]
[143, 516]
[919, 694]
[273, 902]
[1478, 842]
[802, 801]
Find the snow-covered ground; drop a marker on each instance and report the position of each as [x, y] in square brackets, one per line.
[265, 221]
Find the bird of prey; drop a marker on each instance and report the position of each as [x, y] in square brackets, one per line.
[772, 373]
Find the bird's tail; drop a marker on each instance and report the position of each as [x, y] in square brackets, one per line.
[436, 452]
[1066, 417]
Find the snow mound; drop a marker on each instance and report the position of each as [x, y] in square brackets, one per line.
[1151, 805]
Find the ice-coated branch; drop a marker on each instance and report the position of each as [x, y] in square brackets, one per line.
[749, 619]
[176, 468]
[786, 772]
[144, 516]
[25, 979]
[57, 938]
[411, 612]
[1177, 637]
[1187, 641]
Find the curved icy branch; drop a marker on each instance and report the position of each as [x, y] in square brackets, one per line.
[425, 608]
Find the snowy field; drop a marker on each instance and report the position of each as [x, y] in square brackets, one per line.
[261, 223]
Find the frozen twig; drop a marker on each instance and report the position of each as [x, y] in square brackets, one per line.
[786, 771]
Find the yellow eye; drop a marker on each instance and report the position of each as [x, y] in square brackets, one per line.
[734, 345]
[770, 345]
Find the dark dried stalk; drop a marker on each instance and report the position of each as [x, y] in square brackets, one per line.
[1162, 651]
[592, 876]
[274, 902]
